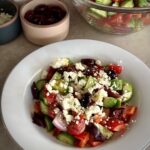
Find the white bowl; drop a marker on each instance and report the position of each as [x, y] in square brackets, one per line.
[17, 100]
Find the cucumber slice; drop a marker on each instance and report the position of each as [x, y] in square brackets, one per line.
[56, 76]
[49, 124]
[110, 102]
[90, 82]
[61, 86]
[127, 91]
[143, 3]
[44, 108]
[99, 12]
[104, 131]
[66, 138]
[40, 84]
[104, 2]
[117, 84]
[127, 4]
[42, 98]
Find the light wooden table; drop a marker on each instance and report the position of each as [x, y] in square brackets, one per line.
[11, 53]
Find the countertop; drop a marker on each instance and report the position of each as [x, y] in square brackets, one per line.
[136, 43]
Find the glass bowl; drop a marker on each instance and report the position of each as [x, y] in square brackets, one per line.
[111, 19]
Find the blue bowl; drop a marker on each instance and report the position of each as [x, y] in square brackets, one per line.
[11, 29]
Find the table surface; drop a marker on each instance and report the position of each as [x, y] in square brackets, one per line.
[11, 53]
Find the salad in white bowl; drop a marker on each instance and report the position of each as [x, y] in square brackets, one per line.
[85, 103]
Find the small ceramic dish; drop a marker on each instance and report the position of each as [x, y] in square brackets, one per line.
[44, 34]
[10, 29]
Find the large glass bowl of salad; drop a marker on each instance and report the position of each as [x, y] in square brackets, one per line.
[115, 16]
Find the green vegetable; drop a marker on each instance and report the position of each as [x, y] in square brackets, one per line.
[40, 84]
[127, 3]
[90, 82]
[110, 102]
[127, 91]
[104, 2]
[66, 138]
[61, 86]
[44, 108]
[98, 12]
[56, 76]
[115, 4]
[142, 3]
[49, 124]
[104, 131]
[117, 84]
[42, 98]
[136, 24]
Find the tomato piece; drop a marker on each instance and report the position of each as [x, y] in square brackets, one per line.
[116, 125]
[117, 68]
[76, 128]
[51, 108]
[146, 19]
[83, 139]
[37, 107]
[94, 143]
[129, 112]
[56, 132]
[50, 97]
[97, 118]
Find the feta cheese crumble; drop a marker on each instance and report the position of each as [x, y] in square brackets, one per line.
[79, 66]
[61, 62]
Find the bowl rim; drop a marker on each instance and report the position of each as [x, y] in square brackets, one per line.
[63, 4]
[116, 9]
[14, 17]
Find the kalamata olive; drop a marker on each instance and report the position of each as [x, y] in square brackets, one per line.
[38, 119]
[117, 113]
[95, 132]
[38, 19]
[111, 74]
[34, 90]
[112, 94]
[86, 100]
[29, 15]
[88, 61]
[41, 9]
[66, 68]
[51, 72]
[90, 71]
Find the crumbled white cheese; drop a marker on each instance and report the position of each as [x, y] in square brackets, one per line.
[98, 96]
[79, 66]
[50, 90]
[61, 62]
[125, 96]
[67, 116]
[70, 89]
[96, 86]
[56, 110]
[44, 74]
[70, 76]
[104, 78]
[98, 62]
[92, 110]
[52, 82]
[80, 74]
[69, 102]
[82, 82]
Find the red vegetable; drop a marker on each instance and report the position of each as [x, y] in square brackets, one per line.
[37, 107]
[116, 68]
[76, 128]
[50, 97]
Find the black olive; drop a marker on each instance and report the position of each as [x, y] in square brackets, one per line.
[86, 100]
[34, 90]
[95, 132]
[111, 74]
[38, 119]
[88, 61]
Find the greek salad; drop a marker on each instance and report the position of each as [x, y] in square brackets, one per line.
[83, 104]
[115, 22]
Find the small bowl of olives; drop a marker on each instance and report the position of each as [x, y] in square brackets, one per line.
[44, 22]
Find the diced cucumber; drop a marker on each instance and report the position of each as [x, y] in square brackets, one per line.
[127, 3]
[40, 84]
[127, 91]
[117, 84]
[99, 12]
[104, 131]
[142, 3]
[135, 24]
[61, 86]
[42, 98]
[110, 102]
[44, 108]
[56, 76]
[118, 104]
[90, 82]
[66, 138]
[104, 2]
[49, 124]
